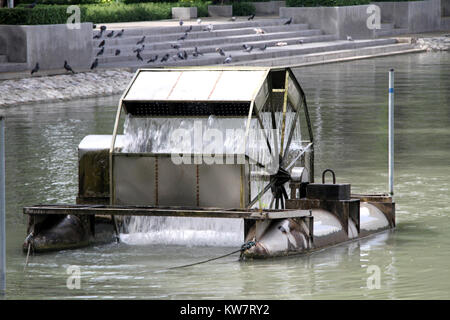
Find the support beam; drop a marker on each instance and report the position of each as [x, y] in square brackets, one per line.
[162, 211]
[391, 132]
[2, 209]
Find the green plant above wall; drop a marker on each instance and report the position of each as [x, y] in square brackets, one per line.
[243, 8]
[325, 3]
[96, 13]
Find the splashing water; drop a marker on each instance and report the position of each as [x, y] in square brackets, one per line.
[156, 136]
[184, 231]
[184, 135]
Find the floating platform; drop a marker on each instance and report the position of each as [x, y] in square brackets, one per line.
[266, 173]
[309, 224]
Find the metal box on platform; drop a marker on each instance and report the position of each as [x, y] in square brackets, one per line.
[260, 113]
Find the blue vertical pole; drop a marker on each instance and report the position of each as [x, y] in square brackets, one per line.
[2, 209]
[391, 132]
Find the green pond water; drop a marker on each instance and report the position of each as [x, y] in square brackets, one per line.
[348, 107]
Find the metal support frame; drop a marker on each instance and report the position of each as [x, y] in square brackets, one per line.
[2, 209]
[391, 132]
[171, 211]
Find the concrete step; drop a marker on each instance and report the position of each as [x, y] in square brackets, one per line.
[331, 56]
[3, 58]
[136, 31]
[391, 32]
[155, 38]
[272, 53]
[12, 66]
[238, 39]
[387, 26]
[128, 54]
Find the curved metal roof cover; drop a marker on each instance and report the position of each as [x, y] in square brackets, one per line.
[199, 84]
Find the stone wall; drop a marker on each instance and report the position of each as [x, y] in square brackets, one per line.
[445, 7]
[185, 13]
[268, 7]
[38, 89]
[342, 21]
[49, 45]
[424, 15]
[220, 11]
[415, 16]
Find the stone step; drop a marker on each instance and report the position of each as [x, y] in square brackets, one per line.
[217, 41]
[334, 55]
[155, 38]
[12, 66]
[136, 31]
[272, 53]
[387, 26]
[128, 54]
[391, 32]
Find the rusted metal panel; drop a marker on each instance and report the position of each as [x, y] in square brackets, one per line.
[373, 197]
[93, 178]
[93, 200]
[354, 214]
[93, 168]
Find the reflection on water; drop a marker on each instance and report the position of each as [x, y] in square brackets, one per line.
[348, 106]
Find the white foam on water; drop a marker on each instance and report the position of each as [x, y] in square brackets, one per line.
[218, 232]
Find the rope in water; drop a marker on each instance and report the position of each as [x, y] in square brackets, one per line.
[28, 240]
[244, 247]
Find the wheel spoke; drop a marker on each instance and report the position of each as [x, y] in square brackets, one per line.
[271, 202]
[297, 157]
[275, 132]
[288, 143]
[283, 190]
[264, 131]
[254, 162]
[304, 104]
[261, 194]
[283, 121]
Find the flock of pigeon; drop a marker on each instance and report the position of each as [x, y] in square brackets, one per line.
[180, 55]
[110, 34]
[66, 66]
[183, 55]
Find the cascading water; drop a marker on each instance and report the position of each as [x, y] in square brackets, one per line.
[153, 135]
[156, 135]
[184, 231]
